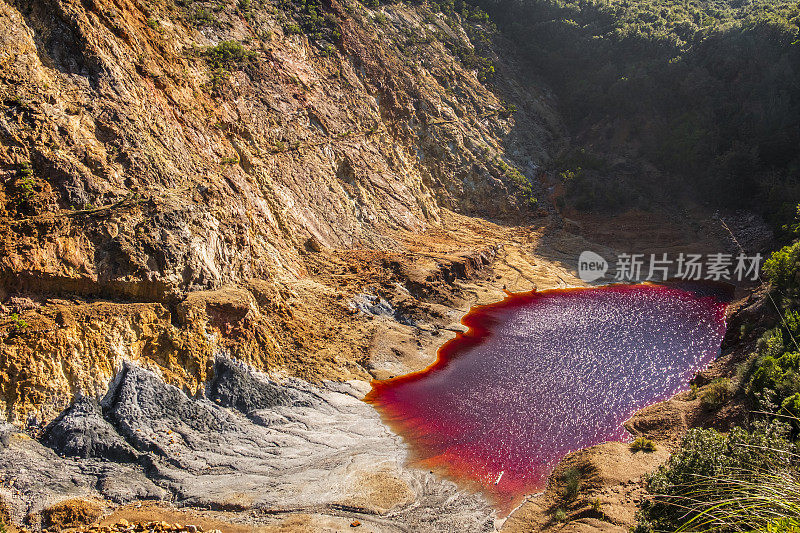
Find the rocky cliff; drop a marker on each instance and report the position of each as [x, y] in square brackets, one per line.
[169, 168]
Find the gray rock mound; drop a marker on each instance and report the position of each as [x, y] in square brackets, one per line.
[278, 448]
[81, 431]
[236, 386]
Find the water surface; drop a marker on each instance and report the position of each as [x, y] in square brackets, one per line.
[541, 374]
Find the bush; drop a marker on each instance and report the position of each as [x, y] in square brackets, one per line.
[18, 323]
[203, 17]
[292, 28]
[310, 18]
[571, 479]
[716, 393]
[781, 267]
[713, 469]
[224, 56]
[519, 179]
[560, 515]
[642, 444]
[228, 53]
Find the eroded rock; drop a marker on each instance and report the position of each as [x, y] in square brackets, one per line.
[260, 444]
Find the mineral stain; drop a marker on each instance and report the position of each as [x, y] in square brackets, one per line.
[542, 374]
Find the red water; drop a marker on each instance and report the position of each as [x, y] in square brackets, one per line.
[541, 374]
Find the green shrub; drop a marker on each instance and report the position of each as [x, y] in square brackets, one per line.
[228, 53]
[571, 479]
[292, 28]
[782, 266]
[560, 515]
[642, 444]
[716, 393]
[203, 17]
[712, 469]
[25, 181]
[18, 323]
[309, 17]
[519, 179]
[224, 56]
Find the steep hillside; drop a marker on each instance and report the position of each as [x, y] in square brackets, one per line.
[669, 101]
[151, 149]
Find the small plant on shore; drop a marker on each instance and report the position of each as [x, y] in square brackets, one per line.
[560, 515]
[571, 478]
[18, 323]
[642, 444]
[716, 394]
[596, 505]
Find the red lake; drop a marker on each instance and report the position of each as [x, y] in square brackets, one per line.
[542, 374]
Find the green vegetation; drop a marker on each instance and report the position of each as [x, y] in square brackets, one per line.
[773, 374]
[203, 17]
[518, 178]
[223, 57]
[18, 322]
[292, 28]
[742, 481]
[560, 515]
[25, 182]
[309, 17]
[228, 53]
[643, 444]
[716, 393]
[781, 269]
[571, 479]
[704, 90]
[748, 479]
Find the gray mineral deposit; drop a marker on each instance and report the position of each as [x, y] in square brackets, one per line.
[248, 444]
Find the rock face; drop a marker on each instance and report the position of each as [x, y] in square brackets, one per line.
[149, 153]
[293, 447]
[81, 431]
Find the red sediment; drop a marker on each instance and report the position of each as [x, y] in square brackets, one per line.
[541, 374]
